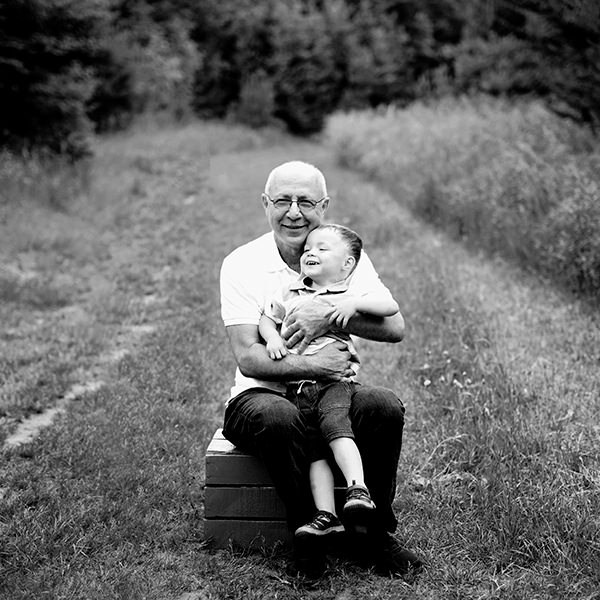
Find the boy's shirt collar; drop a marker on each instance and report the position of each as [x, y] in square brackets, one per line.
[305, 283]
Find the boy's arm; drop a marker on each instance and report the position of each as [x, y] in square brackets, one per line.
[267, 328]
[312, 320]
[375, 303]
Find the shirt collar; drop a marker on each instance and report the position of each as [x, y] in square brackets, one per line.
[273, 260]
[306, 283]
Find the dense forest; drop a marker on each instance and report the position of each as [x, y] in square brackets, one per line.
[69, 68]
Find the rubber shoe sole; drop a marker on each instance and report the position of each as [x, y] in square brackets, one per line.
[358, 519]
[306, 532]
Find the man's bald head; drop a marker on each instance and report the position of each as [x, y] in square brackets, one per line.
[300, 171]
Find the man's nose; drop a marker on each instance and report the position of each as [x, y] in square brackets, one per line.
[293, 210]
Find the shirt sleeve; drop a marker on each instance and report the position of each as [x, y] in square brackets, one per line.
[242, 300]
[275, 308]
[365, 279]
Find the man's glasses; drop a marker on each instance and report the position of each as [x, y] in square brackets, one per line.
[304, 204]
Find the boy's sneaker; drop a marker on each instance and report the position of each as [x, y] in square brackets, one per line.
[323, 523]
[358, 499]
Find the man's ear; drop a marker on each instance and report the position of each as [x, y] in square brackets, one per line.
[265, 200]
[325, 204]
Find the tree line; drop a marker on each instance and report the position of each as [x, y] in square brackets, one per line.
[69, 68]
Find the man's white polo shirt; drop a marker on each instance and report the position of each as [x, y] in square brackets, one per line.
[251, 275]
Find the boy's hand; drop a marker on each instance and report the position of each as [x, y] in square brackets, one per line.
[276, 349]
[343, 310]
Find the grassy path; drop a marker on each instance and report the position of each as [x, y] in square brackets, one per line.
[499, 483]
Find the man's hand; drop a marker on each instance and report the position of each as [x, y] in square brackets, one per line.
[307, 322]
[332, 362]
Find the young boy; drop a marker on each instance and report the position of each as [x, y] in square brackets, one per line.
[330, 255]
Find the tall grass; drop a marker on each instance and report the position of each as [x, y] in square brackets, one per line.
[509, 481]
[47, 180]
[515, 180]
[499, 472]
[72, 239]
[499, 479]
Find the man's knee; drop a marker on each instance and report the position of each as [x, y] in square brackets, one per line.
[279, 418]
[379, 403]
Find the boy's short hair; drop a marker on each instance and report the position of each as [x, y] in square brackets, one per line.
[352, 240]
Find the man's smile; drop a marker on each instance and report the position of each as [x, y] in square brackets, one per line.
[295, 228]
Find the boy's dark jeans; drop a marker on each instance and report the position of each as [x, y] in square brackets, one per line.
[268, 425]
[325, 407]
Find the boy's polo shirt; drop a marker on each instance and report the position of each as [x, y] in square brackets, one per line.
[253, 274]
[301, 291]
[287, 299]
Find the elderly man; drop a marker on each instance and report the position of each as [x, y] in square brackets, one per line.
[259, 417]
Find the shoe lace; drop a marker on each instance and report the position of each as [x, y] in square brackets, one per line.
[357, 492]
[321, 519]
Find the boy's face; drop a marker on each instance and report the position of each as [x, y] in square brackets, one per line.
[326, 259]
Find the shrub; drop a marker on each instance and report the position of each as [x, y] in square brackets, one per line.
[570, 236]
[42, 179]
[111, 105]
[516, 180]
[256, 106]
[47, 51]
[306, 80]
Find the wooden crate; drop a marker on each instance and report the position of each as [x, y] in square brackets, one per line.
[241, 505]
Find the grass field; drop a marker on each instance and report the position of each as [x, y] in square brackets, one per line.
[116, 282]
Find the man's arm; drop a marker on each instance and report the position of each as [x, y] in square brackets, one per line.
[312, 320]
[379, 329]
[331, 363]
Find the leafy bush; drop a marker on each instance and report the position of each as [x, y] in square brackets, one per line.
[570, 236]
[547, 48]
[67, 67]
[307, 84]
[111, 105]
[47, 49]
[518, 181]
[256, 106]
[150, 69]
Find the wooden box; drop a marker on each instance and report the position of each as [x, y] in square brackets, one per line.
[241, 505]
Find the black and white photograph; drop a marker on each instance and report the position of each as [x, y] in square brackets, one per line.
[299, 300]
